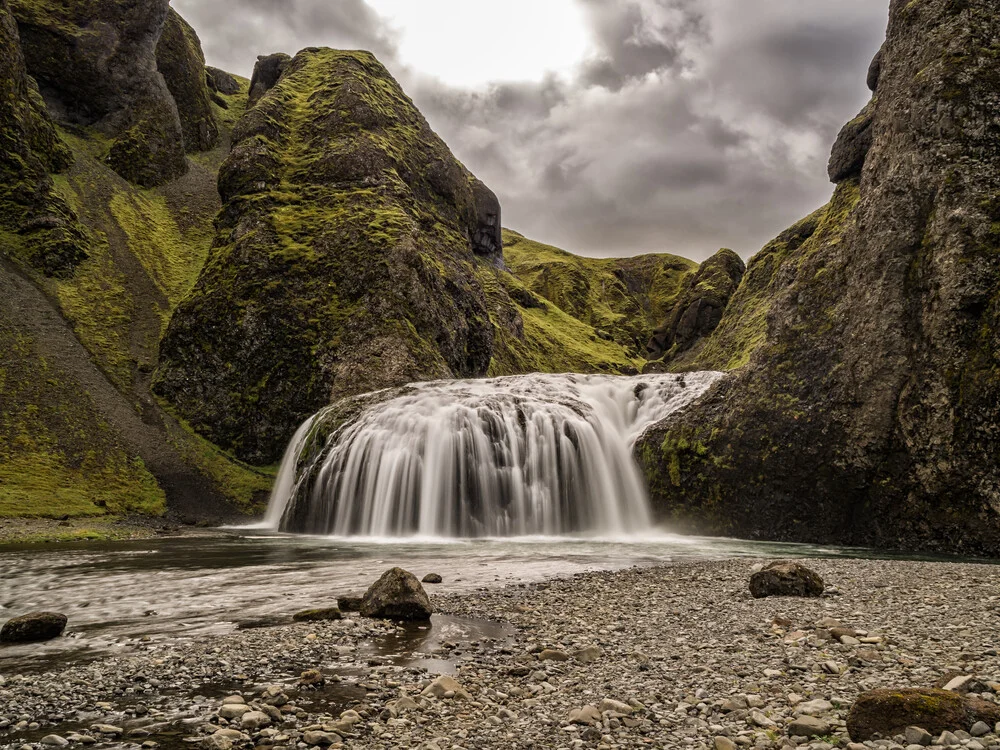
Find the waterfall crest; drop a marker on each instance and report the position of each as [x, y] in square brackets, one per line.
[515, 456]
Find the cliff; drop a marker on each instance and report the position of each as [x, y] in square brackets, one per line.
[866, 406]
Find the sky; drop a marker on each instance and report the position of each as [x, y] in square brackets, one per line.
[606, 127]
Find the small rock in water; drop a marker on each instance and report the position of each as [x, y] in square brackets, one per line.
[312, 678]
[350, 603]
[36, 626]
[318, 615]
[267, 621]
[432, 578]
[54, 740]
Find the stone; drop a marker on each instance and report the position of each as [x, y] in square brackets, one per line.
[397, 595]
[815, 707]
[614, 706]
[552, 654]
[321, 739]
[318, 615]
[917, 736]
[267, 621]
[35, 626]
[785, 579]
[889, 712]
[233, 710]
[724, 743]
[107, 729]
[312, 678]
[54, 740]
[979, 729]
[959, 684]
[875, 71]
[446, 687]
[808, 726]
[587, 654]
[255, 720]
[586, 715]
[431, 578]
[948, 738]
[852, 146]
[350, 603]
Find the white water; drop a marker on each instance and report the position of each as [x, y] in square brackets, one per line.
[519, 456]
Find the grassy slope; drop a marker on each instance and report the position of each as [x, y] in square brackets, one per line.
[146, 251]
[598, 312]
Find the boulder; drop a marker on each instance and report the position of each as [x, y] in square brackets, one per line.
[431, 578]
[785, 579]
[485, 231]
[875, 71]
[221, 82]
[318, 615]
[808, 726]
[887, 712]
[266, 74]
[397, 595]
[36, 626]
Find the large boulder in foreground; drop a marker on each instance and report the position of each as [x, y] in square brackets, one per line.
[36, 626]
[344, 261]
[886, 713]
[95, 64]
[785, 579]
[397, 595]
[867, 409]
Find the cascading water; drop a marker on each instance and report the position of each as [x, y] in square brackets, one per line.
[516, 456]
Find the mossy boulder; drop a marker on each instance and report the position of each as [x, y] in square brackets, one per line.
[885, 713]
[866, 403]
[344, 260]
[95, 64]
[181, 62]
[266, 74]
[50, 238]
[698, 311]
[221, 82]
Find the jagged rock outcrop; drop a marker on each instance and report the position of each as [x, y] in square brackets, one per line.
[343, 263]
[487, 235]
[869, 412]
[95, 64]
[266, 74]
[52, 241]
[847, 159]
[181, 62]
[220, 81]
[698, 311]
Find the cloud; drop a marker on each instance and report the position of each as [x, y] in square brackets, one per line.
[691, 125]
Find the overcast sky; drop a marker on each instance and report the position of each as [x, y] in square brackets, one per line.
[606, 127]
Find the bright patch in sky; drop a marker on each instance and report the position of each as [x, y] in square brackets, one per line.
[468, 43]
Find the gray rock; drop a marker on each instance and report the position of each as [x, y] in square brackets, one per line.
[918, 736]
[808, 726]
[784, 578]
[266, 74]
[397, 595]
[318, 615]
[54, 740]
[432, 578]
[255, 720]
[979, 729]
[35, 626]
[585, 715]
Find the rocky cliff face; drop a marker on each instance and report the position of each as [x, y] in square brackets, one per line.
[345, 258]
[698, 311]
[95, 64]
[870, 407]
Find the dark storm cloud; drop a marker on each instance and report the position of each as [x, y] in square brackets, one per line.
[694, 124]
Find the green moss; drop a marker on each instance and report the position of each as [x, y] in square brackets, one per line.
[626, 297]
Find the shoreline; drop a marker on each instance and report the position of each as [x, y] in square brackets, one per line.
[683, 646]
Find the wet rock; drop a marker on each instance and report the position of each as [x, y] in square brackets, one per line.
[785, 579]
[35, 626]
[312, 678]
[350, 603]
[397, 595]
[318, 615]
[431, 578]
[54, 740]
[267, 621]
[889, 712]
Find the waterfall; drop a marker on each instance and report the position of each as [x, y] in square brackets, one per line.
[515, 456]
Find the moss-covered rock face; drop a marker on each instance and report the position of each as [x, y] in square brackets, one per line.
[343, 262]
[624, 299]
[867, 411]
[48, 235]
[266, 74]
[181, 62]
[699, 309]
[95, 64]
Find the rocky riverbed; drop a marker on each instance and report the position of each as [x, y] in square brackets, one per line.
[675, 656]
